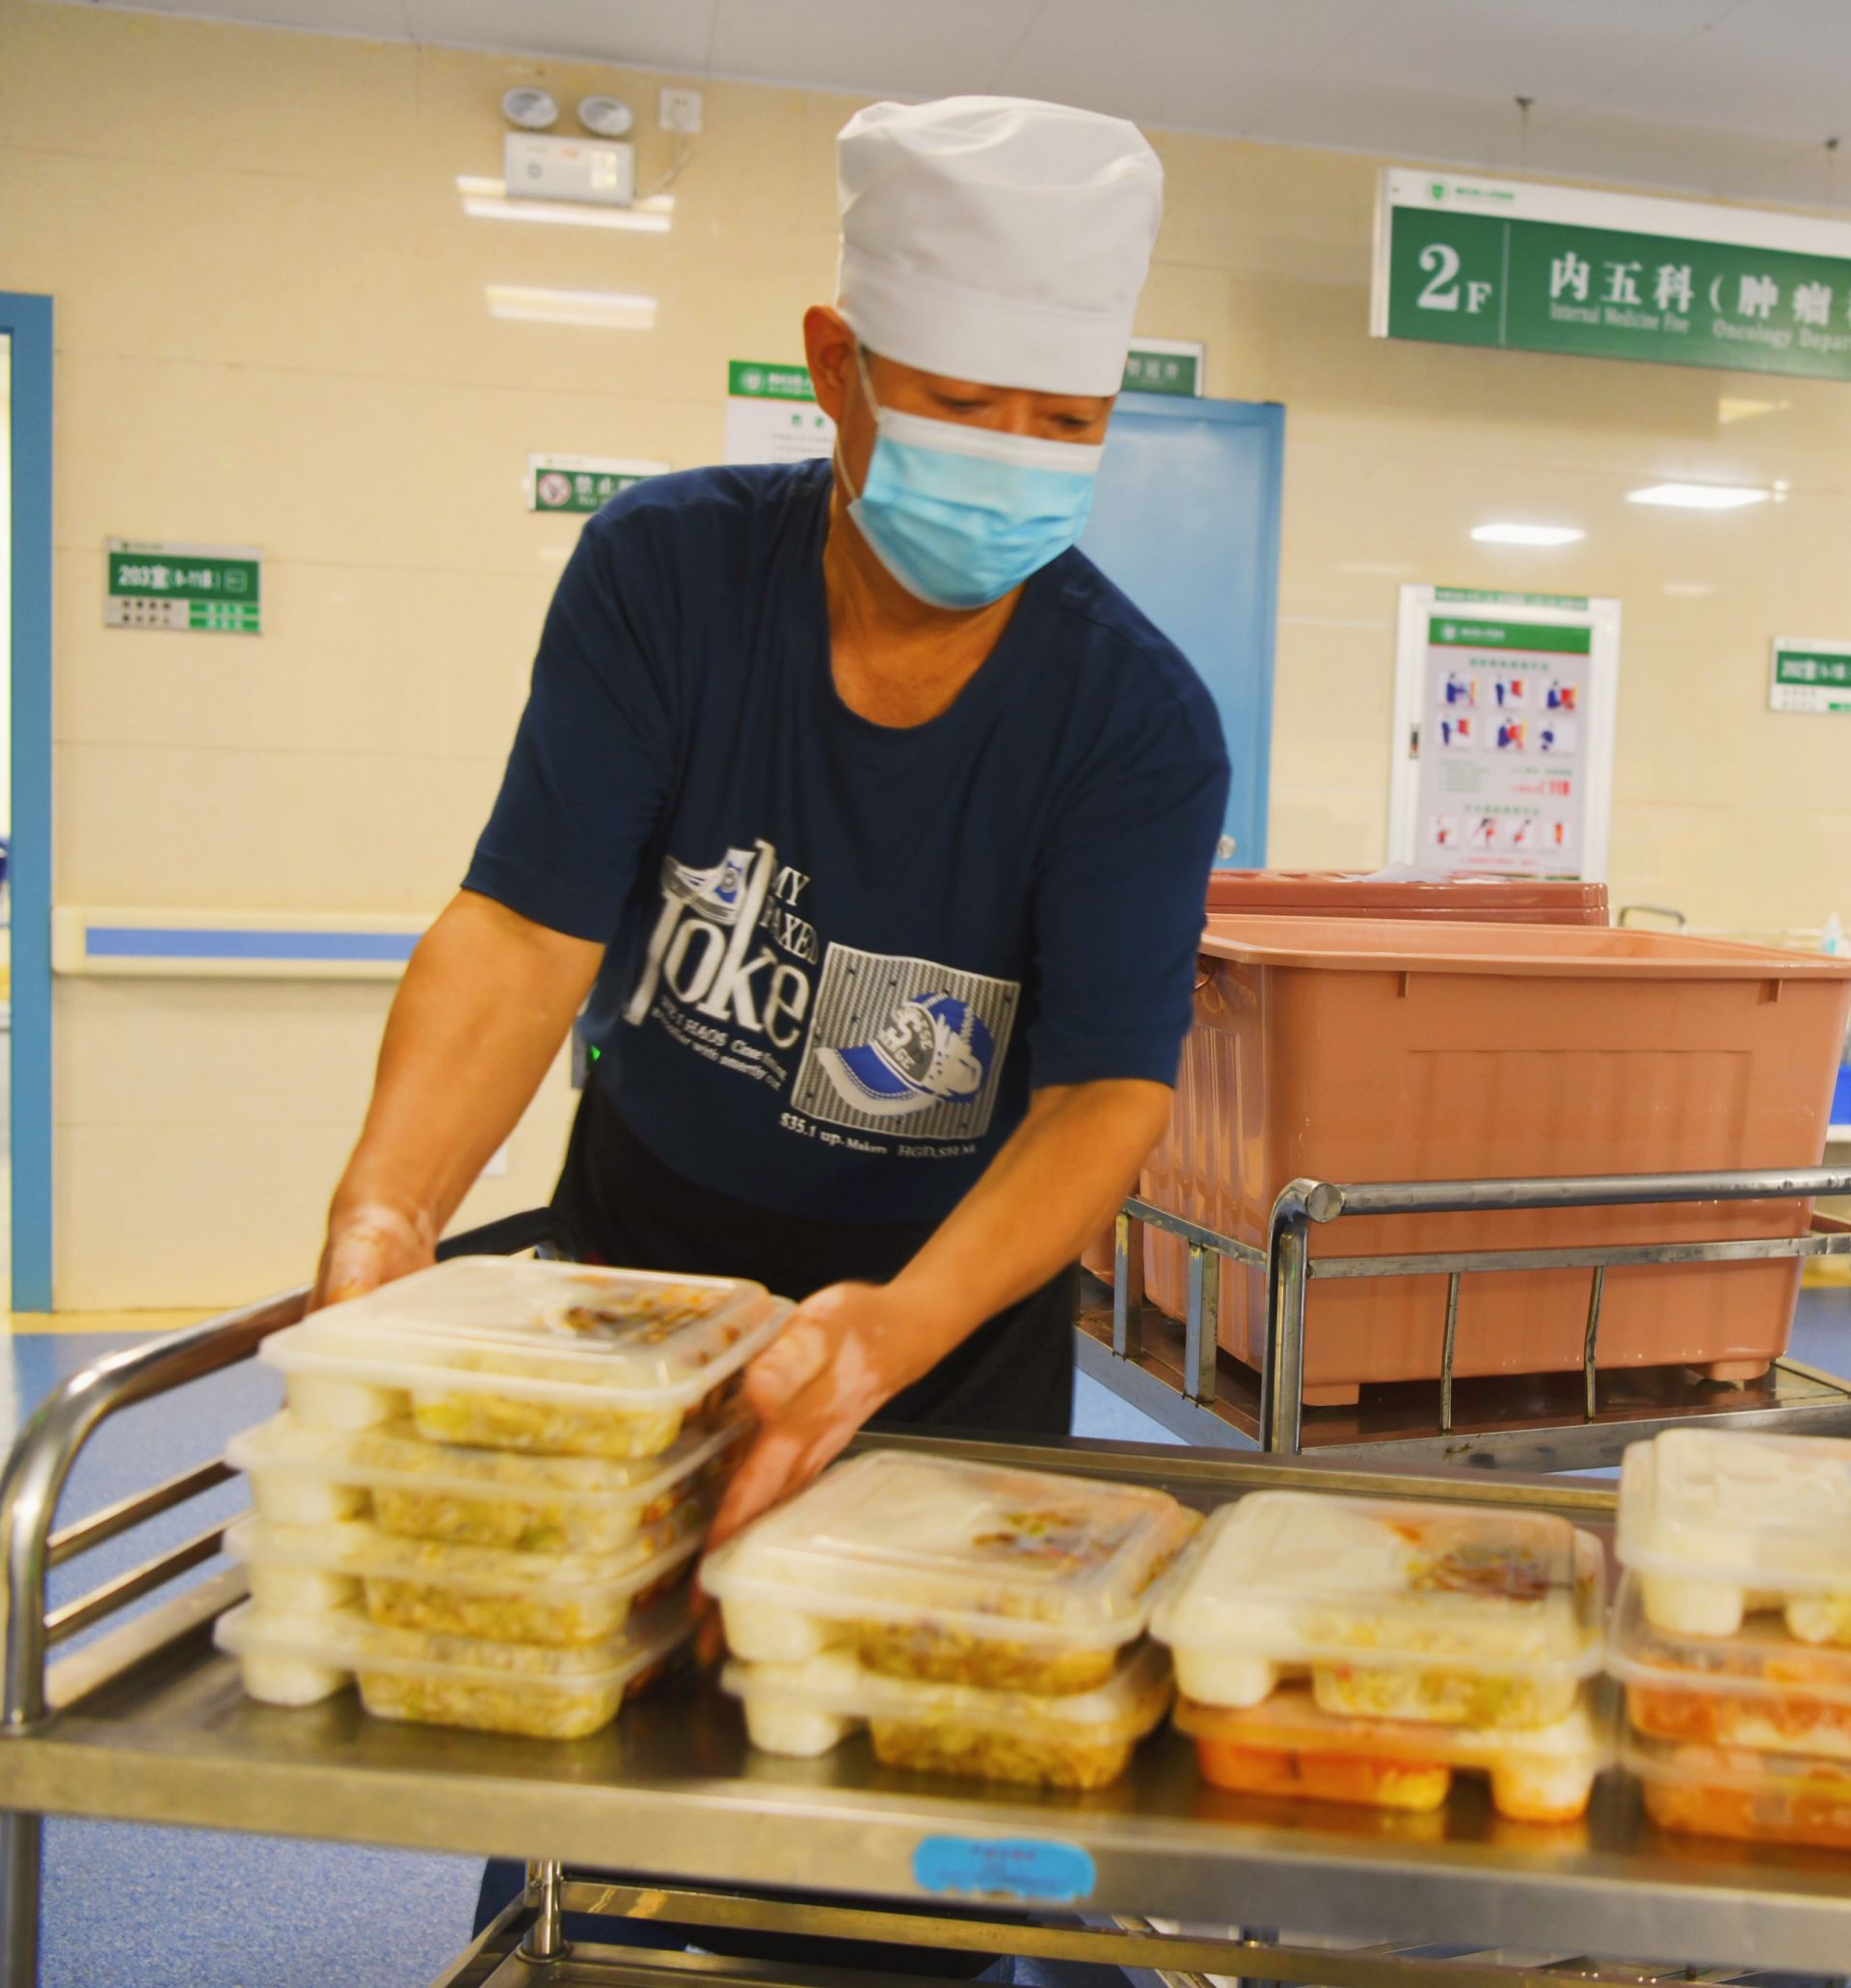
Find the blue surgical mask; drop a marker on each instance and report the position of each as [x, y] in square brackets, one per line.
[959, 515]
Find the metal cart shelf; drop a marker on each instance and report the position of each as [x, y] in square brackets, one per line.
[1173, 1370]
[146, 1724]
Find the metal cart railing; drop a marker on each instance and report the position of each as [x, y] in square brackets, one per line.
[146, 1724]
[1172, 1369]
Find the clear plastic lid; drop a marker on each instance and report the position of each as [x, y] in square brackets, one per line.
[347, 1639]
[836, 1685]
[974, 1548]
[1760, 1662]
[1775, 1780]
[355, 1547]
[396, 1457]
[1295, 1577]
[1292, 1721]
[538, 1331]
[1767, 1513]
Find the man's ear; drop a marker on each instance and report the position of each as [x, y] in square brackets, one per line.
[829, 346]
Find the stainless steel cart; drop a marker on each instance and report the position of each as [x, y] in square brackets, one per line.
[146, 1724]
[1171, 1369]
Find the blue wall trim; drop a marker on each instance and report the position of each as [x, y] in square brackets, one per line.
[27, 323]
[164, 942]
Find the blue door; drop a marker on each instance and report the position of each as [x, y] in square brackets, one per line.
[1185, 519]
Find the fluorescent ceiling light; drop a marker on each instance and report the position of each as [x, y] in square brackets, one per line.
[486, 200]
[610, 309]
[1699, 497]
[1528, 534]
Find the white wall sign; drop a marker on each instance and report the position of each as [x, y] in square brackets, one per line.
[1809, 676]
[772, 416]
[1504, 726]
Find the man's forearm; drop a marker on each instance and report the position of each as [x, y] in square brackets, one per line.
[1044, 1197]
[484, 1005]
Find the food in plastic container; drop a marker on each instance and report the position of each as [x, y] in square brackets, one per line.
[545, 1358]
[1290, 1746]
[1078, 1739]
[1759, 1688]
[1736, 1792]
[304, 1475]
[953, 1572]
[564, 1600]
[528, 1688]
[1723, 1524]
[1448, 1614]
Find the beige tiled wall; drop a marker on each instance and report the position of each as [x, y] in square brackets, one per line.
[271, 330]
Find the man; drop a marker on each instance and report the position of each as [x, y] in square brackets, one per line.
[871, 816]
[873, 820]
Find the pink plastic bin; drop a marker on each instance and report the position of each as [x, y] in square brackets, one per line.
[1362, 1050]
[1345, 894]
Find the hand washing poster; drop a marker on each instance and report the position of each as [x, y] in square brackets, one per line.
[1504, 760]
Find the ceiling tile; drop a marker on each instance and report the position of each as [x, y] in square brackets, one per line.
[1196, 65]
[1562, 52]
[1773, 67]
[664, 34]
[946, 48]
[381, 20]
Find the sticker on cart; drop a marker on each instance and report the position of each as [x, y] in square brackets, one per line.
[1457, 731]
[1555, 737]
[1004, 1868]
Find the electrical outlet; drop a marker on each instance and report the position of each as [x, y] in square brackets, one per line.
[680, 110]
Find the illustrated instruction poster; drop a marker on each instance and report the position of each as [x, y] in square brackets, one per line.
[1507, 720]
[772, 416]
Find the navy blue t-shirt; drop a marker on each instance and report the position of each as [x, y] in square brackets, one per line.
[840, 954]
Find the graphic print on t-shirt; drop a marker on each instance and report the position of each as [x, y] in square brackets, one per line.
[904, 1046]
[896, 1045]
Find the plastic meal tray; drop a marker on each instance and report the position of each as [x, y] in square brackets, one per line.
[1759, 1688]
[1455, 1614]
[955, 1572]
[1735, 1791]
[304, 1475]
[1082, 1739]
[506, 1595]
[1720, 1523]
[542, 1692]
[1289, 1746]
[549, 1359]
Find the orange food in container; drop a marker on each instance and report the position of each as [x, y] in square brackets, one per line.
[1287, 1746]
[1736, 1792]
[1369, 1050]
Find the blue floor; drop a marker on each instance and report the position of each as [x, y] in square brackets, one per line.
[146, 1908]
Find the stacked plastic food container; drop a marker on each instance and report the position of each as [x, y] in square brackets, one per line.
[488, 1489]
[979, 1620]
[1732, 1633]
[1366, 1650]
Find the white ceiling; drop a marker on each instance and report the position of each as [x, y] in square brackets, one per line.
[1730, 96]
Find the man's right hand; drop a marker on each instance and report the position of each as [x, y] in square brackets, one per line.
[368, 1245]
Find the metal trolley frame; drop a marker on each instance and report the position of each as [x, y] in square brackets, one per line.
[146, 1724]
[1171, 1369]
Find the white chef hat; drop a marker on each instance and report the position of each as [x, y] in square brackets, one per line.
[997, 239]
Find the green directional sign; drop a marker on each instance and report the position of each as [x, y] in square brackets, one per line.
[158, 585]
[1810, 676]
[1164, 366]
[1610, 276]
